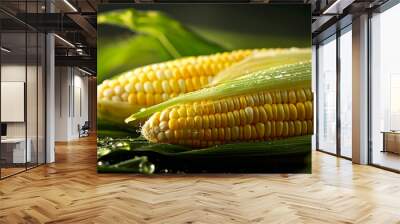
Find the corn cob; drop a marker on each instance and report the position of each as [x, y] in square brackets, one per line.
[156, 83]
[266, 105]
[260, 116]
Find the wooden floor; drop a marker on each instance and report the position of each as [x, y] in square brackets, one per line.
[70, 191]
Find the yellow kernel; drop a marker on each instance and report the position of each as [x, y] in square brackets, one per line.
[201, 134]
[256, 115]
[211, 121]
[285, 131]
[236, 116]
[236, 103]
[273, 129]
[187, 133]
[176, 73]
[169, 135]
[230, 104]
[231, 119]
[164, 116]
[182, 111]
[279, 128]
[190, 111]
[249, 100]
[268, 98]
[224, 106]
[149, 99]
[301, 112]
[206, 123]
[309, 110]
[268, 110]
[235, 133]
[241, 135]
[253, 132]
[284, 96]
[301, 95]
[278, 98]
[163, 125]
[243, 118]
[196, 82]
[260, 127]
[174, 86]
[280, 115]
[292, 97]
[268, 129]
[274, 112]
[297, 128]
[203, 80]
[173, 124]
[293, 112]
[210, 108]
[214, 134]
[208, 134]
[261, 98]
[161, 137]
[198, 122]
[255, 99]
[182, 122]
[217, 120]
[198, 108]
[132, 98]
[304, 127]
[249, 114]
[309, 94]
[141, 98]
[292, 129]
[217, 106]
[178, 134]
[188, 84]
[310, 127]
[224, 120]
[243, 102]
[228, 135]
[286, 111]
[247, 131]
[165, 87]
[262, 114]
[148, 87]
[221, 134]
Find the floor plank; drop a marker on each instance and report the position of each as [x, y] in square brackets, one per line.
[70, 191]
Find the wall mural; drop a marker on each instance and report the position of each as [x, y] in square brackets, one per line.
[204, 88]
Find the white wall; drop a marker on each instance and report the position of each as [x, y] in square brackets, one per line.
[71, 94]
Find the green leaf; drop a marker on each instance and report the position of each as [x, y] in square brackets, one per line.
[157, 37]
[120, 55]
[286, 155]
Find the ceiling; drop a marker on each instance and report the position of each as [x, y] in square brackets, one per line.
[75, 21]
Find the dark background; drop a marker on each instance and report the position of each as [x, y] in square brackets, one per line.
[235, 26]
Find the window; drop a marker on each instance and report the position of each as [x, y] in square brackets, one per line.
[327, 95]
[385, 88]
[345, 92]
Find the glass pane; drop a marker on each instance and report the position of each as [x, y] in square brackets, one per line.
[327, 95]
[14, 153]
[32, 95]
[385, 84]
[346, 93]
[41, 99]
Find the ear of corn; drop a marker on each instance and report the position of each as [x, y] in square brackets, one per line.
[269, 104]
[142, 87]
[156, 83]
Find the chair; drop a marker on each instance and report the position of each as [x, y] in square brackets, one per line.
[84, 130]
